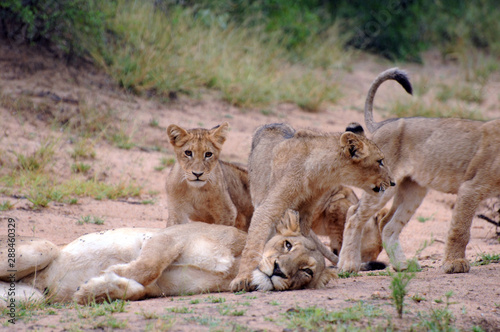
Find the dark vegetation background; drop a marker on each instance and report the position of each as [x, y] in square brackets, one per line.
[161, 47]
[397, 29]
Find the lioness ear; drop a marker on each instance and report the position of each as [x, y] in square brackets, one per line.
[219, 132]
[353, 146]
[289, 225]
[176, 135]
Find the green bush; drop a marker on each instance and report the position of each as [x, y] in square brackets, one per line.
[392, 28]
[72, 26]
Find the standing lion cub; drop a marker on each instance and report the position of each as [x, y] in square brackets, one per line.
[454, 156]
[291, 169]
[201, 187]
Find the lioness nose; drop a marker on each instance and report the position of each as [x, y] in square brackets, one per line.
[197, 174]
[277, 271]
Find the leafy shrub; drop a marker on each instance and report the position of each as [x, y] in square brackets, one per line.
[72, 26]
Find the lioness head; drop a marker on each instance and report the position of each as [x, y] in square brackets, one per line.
[367, 169]
[197, 150]
[290, 260]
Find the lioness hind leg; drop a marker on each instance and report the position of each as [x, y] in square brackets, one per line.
[408, 198]
[468, 200]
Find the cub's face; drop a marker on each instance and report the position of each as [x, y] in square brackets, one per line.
[366, 168]
[290, 261]
[197, 151]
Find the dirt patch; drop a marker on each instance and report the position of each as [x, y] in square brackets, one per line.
[475, 299]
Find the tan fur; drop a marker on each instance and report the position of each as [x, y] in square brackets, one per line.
[329, 217]
[200, 187]
[137, 263]
[292, 169]
[227, 193]
[453, 156]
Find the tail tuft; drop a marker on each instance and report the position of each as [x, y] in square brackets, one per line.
[402, 78]
[373, 265]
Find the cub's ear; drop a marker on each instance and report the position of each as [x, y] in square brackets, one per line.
[219, 133]
[353, 146]
[177, 135]
[289, 225]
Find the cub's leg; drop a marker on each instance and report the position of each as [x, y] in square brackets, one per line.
[468, 199]
[176, 215]
[357, 216]
[128, 281]
[408, 198]
[261, 227]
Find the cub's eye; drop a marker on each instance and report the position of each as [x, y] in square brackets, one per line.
[308, 271]
[380, 162]
[208, 154]
[288, 246]
[188, 153]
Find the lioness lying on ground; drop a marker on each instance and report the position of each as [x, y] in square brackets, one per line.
[292, 169]
[201, 187]
[222, 194]
[136, 263]
[453, 156]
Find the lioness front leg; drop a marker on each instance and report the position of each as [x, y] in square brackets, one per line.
[156, 254]
[107, 287]
[468, 199]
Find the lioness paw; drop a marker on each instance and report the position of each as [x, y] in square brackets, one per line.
[241, 284]
[456, 266]
[108, 287]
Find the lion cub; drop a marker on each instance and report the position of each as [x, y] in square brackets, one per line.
[290, 169]
[201, 187]
[454, 156]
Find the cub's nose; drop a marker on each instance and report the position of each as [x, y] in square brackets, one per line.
[392, 184]
[197, 174]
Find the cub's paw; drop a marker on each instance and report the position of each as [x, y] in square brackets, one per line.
[241, 283]
[348, 265]
[456, 266]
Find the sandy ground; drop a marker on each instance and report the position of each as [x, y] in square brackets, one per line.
[476, 296]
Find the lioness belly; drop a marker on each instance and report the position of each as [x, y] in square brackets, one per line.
[87, 256]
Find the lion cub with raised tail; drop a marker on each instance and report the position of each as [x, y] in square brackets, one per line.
[455, 156]
[200, 187]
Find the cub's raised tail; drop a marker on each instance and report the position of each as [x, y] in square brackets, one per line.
[395, 74]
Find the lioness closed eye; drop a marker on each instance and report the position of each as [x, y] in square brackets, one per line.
[291, 169]
[137, 263]
[201, 187]
[453, 156]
